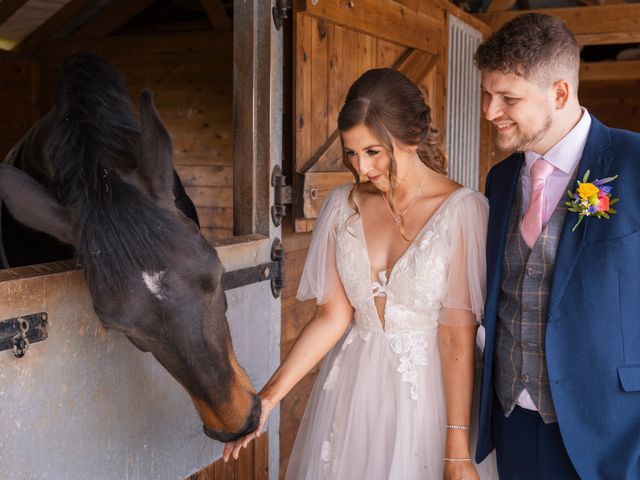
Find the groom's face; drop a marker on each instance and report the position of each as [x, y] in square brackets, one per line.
[520, 110]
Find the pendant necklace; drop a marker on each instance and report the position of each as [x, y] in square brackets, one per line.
[396, 218]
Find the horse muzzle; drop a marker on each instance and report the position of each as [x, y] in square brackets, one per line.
[250, 425]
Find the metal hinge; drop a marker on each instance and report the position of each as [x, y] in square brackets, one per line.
[281, 195]
[20, 332]
[280, 11]
[273, 271]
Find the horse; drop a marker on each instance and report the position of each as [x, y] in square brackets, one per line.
[97, 178]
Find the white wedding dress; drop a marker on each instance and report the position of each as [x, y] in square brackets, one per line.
[377, 409]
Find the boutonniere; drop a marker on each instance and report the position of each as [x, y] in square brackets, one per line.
[592, 199]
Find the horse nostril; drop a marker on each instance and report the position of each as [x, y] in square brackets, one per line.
[250, 425]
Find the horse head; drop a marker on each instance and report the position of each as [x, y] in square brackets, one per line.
[150, 272]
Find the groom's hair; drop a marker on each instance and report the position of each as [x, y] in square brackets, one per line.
[534, 46]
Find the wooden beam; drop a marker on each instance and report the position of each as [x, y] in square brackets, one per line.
[217, 14]
[385, 19]
[111, 18]
[610, 70]
[39, 37]
[500, 5]
[9, 7]
[592, 25]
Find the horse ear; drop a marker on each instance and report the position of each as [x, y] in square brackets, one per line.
[30, 204]
[155, 166]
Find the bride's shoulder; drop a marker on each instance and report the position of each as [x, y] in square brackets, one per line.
[468, 199]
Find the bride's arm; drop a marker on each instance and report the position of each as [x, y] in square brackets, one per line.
[457, 354]
[318, 336]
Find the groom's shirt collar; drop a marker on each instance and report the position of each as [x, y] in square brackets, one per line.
[565, 154]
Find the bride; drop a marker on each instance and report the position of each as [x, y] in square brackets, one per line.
[396, 265]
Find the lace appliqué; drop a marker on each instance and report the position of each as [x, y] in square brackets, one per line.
[410, 344]
[327, 453]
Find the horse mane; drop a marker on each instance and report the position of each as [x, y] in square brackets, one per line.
[94, 138]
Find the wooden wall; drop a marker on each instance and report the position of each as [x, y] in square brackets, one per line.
[18, 105]
[191, 75]
[616, 103]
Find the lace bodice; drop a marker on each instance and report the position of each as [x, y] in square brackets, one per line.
[443, 268]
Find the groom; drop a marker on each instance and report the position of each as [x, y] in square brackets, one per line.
[561, 381]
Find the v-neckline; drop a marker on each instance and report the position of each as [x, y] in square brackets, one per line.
[427, 222]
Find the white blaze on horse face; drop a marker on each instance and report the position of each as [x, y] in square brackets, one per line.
[153, 281]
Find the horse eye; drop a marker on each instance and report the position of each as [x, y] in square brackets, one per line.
[206, 283]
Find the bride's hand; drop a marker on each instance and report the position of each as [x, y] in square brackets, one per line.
[233, 448]
[460, 471]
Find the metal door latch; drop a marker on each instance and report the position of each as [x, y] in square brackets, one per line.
[18, 333]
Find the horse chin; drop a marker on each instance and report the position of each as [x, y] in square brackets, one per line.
[250, 425]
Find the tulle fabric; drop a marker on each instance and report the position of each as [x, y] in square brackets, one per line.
[320, 276]
[377, 409]
[466, 284]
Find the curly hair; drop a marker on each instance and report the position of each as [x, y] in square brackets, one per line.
[534, 46]
[391, 107]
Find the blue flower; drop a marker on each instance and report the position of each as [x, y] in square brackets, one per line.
[606, 189]
[592, 209]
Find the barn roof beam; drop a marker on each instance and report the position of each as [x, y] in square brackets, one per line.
[595, 25]
[500, 5]
[116, 15]
[43, 34]
[217, 14]
[9, 7]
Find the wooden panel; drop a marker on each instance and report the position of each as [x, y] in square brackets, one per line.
[18, 103]
[252, 464]
[500, 5]
[610, 70]
[591, 25]
[386, 19]
[9, 7]
[316, 187]
[217, 14]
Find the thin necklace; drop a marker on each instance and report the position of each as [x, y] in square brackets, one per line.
[396, 218]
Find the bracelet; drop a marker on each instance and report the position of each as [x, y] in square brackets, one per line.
[454, 459]
[458, 427]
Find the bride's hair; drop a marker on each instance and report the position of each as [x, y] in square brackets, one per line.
[391, 107]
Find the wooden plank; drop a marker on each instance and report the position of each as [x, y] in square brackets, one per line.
[206, 176]
[39, 37]
[261, 458]
[591, 25]
[610, 70]
[217, 14]
[316, 187]
[303, 88]
[116, 15]
[335, 94]
[384, 19]
[9, 7]
[500, 5]
[211, 196]
[319, 84]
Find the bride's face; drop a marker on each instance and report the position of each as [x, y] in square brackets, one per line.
[368, 155]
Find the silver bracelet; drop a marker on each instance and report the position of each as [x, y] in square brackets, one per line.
[458, 427]
[454, 459]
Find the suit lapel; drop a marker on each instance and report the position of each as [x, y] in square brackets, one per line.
[596, 160]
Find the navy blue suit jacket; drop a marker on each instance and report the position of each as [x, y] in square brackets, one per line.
[593, 331]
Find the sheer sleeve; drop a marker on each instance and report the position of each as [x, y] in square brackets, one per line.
[466, 282]
[320, 275]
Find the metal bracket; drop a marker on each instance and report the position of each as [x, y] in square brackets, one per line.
[273, 271]
[18, 333]
[279, 12]
[281, 196]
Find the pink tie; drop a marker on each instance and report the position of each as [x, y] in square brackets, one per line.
[531, 225]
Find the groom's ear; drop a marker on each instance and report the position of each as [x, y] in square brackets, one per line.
[30, 204]
[561, 89]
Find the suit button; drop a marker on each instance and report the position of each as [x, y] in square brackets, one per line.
[531, 271]
[525, 378]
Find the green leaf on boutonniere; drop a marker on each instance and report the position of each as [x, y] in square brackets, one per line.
[586, 176]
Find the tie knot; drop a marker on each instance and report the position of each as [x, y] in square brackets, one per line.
[541, 169]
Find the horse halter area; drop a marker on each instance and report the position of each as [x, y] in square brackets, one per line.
[78, 393]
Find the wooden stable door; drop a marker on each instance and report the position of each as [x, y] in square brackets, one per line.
[335, 42]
